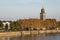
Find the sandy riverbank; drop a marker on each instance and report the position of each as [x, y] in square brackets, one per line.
[19, 33]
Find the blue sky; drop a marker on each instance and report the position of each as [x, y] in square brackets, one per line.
[20, 9]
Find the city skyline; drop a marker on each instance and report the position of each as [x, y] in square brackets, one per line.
[16, 9]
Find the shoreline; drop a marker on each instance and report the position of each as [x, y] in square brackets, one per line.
[23, 33]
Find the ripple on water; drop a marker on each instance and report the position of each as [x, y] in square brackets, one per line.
[50, 36]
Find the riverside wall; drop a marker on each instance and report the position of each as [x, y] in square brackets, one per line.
[22, 33]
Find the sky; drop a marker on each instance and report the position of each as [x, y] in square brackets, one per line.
[24, 9]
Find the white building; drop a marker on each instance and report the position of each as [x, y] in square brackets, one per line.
[6, 25]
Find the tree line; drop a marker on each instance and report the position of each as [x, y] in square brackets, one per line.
[26, 24]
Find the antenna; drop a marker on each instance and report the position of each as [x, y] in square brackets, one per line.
[42, 2]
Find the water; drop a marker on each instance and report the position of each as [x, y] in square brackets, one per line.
[35, 37]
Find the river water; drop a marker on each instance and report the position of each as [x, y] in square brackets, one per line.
[51, 36]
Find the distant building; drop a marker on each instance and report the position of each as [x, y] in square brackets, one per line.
[42, 14]
[6, 26]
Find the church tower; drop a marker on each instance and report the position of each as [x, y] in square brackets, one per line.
[42, 14]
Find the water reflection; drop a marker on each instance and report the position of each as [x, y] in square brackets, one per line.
[35, 37]
[4, 38]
